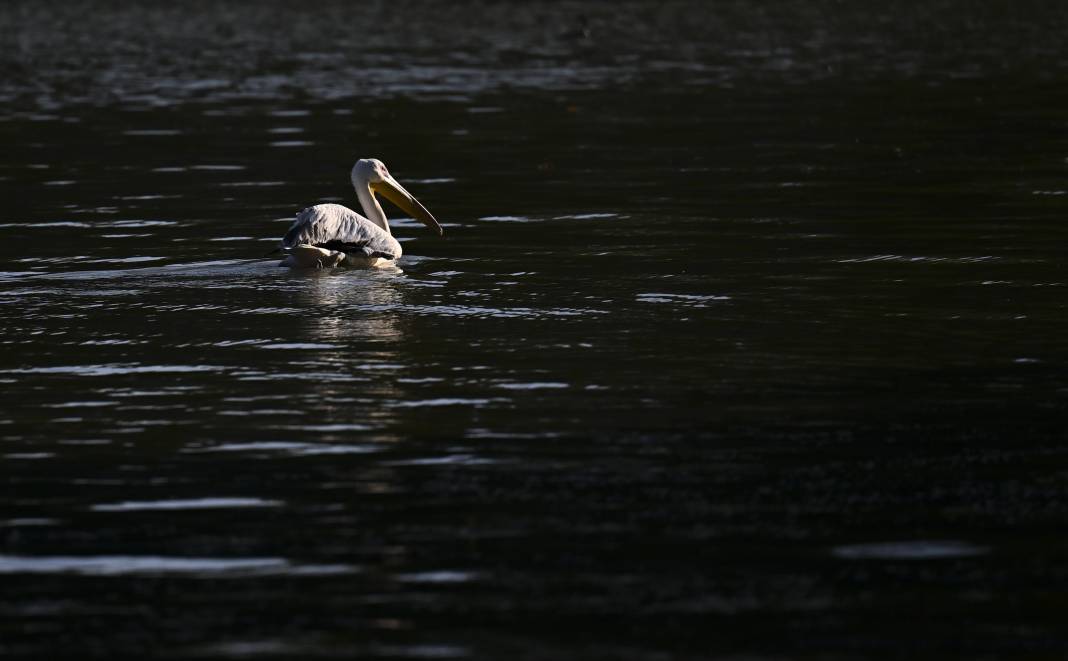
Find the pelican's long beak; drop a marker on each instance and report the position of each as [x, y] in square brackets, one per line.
[396, 194]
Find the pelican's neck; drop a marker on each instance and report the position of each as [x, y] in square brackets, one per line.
[371, 208]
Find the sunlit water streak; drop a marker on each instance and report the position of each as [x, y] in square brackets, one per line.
[135, 565]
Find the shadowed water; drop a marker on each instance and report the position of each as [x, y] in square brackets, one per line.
[746, 336]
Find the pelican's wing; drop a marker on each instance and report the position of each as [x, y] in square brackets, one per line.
[334, 227]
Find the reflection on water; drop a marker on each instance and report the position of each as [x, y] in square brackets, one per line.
[357, 304]
[746, 337]
[354, 309]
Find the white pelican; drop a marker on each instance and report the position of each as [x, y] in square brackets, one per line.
[328, 235]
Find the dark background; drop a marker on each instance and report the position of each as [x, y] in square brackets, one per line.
[746, 339]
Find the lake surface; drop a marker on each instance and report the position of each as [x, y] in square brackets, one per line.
[746, 338]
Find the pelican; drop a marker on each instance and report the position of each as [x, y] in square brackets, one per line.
[328, 235]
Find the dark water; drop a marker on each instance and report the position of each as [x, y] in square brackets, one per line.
[747, 338]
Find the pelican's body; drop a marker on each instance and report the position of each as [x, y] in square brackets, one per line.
[328, 235]
[332, 235]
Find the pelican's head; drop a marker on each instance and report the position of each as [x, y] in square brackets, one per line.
[372, 173]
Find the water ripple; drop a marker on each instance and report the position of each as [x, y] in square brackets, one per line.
[123, 565]
[909, 550]
[186, 504]
[293, 448]
[115, 369]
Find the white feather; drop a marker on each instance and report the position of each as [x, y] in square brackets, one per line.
[324, 223]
